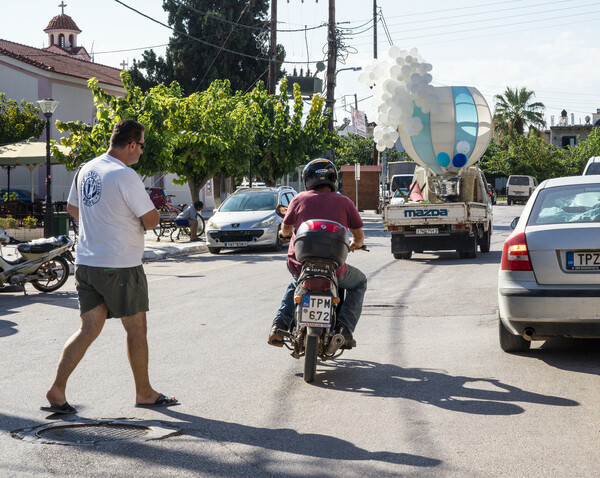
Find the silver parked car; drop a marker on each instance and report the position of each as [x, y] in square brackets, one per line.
[549, 279]
[247, 218]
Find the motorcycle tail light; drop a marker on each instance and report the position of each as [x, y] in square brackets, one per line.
[515, 256]
[323, 226]
[317, 284]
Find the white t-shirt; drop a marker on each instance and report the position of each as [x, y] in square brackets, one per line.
[111, 198]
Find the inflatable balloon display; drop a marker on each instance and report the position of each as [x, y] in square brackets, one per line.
[441, 128]
[454, 137]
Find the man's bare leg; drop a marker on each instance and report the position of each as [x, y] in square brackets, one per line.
[137, 351]
[74, 350]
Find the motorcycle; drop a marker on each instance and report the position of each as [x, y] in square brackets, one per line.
[42, 262]
[321, 247]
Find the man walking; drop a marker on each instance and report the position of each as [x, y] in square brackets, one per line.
[110, 202]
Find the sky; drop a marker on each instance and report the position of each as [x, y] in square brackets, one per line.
[550, 47]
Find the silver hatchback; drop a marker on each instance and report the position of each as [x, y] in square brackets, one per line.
[247, 218]
[549, 278]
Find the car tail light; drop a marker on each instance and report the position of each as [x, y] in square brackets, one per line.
[317, 283]
[515, 256]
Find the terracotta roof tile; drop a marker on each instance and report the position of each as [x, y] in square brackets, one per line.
[63, 64]
[62, 22]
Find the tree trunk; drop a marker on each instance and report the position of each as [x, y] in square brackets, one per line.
[194, 190]
[217, 190]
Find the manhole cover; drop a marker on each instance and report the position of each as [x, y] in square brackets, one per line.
[96, 433]
[90, 432]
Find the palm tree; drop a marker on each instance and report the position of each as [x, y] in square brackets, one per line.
[514, 110]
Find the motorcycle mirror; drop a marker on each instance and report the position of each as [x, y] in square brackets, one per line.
[281, 210]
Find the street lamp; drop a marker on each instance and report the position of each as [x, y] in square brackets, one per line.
[48, 106]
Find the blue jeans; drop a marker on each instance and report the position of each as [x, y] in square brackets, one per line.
[355, 284]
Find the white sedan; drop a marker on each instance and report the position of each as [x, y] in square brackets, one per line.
[549, 279]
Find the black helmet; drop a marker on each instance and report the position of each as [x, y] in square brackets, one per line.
[318, 172]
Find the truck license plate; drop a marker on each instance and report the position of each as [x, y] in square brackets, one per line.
[316, 310]
[427, 230]
[583, 260]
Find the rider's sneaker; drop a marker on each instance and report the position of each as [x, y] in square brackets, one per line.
[349, 341]
[274, 337]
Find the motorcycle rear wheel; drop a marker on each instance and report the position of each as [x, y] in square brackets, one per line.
[310, 358]
[56, 273]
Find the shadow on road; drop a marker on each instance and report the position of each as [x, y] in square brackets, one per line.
[479, 396]
[234, 462]
[11, 302]
[575, 355]
[7, 328]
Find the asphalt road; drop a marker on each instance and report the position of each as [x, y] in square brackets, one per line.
[427, 392]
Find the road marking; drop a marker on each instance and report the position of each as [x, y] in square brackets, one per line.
[223, 266]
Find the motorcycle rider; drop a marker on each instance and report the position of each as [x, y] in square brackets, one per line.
[321, 201]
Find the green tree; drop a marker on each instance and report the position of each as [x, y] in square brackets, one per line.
[152, 109]
[19, 120]
[353, 148]
[233, 25]
[279, 141]
[584, 150]
[529, 156]
[515, 110]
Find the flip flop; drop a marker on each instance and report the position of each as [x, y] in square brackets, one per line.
[161, 401]
[64, 409]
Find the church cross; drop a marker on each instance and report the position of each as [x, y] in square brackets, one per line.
[62, 6]
[124, 64]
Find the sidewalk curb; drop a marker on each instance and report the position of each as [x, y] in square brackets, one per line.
[165, 253]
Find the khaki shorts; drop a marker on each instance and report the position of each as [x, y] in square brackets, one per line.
[124, 291]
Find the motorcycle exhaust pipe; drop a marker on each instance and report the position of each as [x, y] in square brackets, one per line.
[336, 342]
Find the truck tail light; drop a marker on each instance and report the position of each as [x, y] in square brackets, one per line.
[515, 256]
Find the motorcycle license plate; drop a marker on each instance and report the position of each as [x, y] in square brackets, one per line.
[316, 311]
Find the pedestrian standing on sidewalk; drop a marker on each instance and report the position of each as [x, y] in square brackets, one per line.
[113, 209]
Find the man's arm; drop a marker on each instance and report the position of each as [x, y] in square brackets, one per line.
[358, 238]
[73, 211]
[150, 219]
[286, 230]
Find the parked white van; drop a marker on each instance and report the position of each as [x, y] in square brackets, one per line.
[592, 166]
[519, 188]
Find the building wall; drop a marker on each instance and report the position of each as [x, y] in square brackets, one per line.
[368, 186]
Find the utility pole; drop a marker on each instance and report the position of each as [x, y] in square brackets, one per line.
[374, 28]
[272, 82]
[331, 61]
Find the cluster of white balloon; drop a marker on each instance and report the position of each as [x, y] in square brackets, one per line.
[396, 85]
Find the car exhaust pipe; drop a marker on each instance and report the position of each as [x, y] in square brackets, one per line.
[528, 333]
[336, 342]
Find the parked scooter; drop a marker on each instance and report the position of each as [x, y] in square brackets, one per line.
[321, 246]
[42, 262]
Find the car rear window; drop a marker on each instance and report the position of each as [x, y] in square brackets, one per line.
[250, 202]
[562, 204]
[518, 181]
[593, 168]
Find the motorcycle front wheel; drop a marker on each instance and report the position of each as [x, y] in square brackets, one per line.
[310, 358]
[54, 273]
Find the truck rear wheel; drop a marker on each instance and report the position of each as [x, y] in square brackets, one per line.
[402, 255]
[486, 241]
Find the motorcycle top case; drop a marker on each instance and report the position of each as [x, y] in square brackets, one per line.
[322, 239]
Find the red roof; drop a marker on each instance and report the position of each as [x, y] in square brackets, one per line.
[62, 22]
[63, 64]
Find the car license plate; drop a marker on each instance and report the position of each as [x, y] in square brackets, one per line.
[427, 230]
[583, 260]
[316, 310]
[236, 244]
